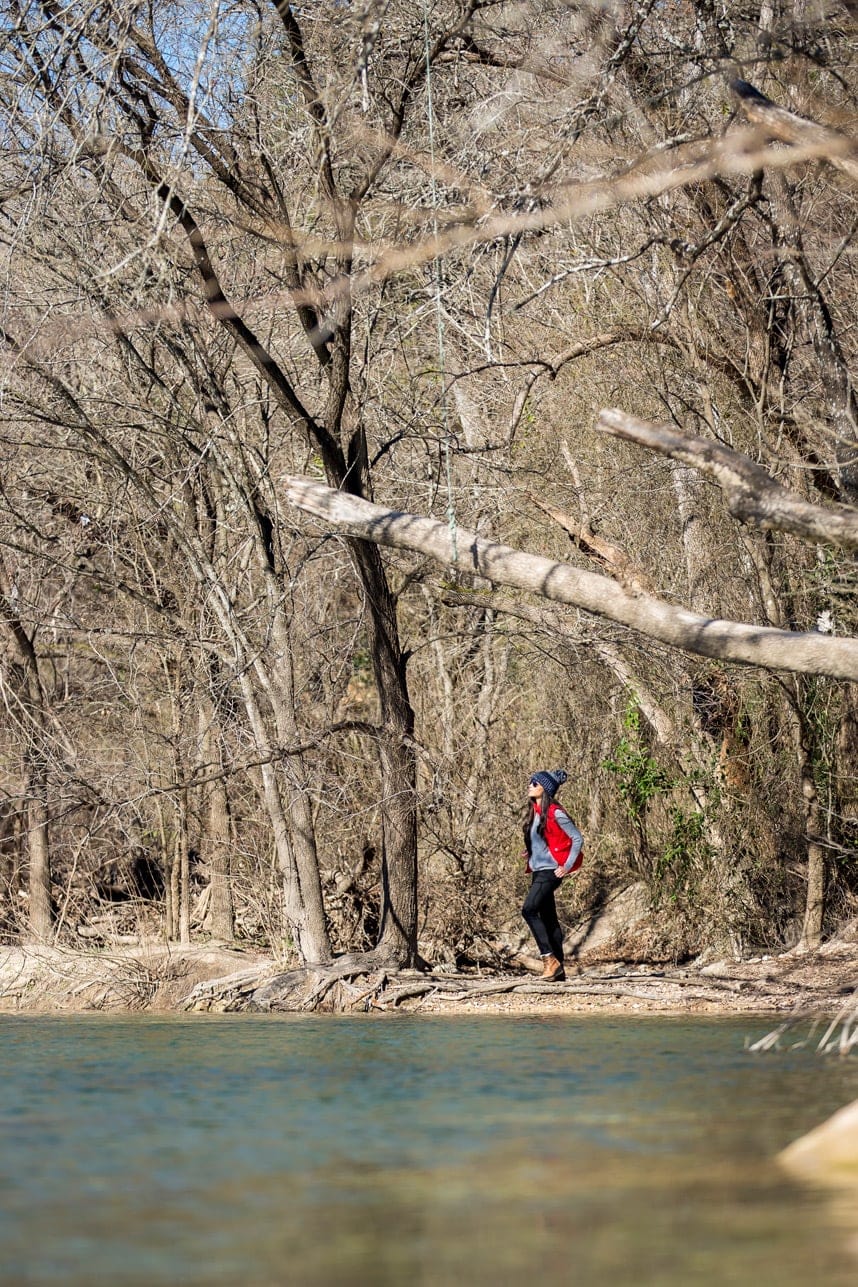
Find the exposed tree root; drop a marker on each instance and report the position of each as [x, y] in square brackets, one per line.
[360, 984]
[351, 982]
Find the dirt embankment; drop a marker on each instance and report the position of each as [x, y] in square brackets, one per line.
[162, 978]
[607, 970]
[155, 977]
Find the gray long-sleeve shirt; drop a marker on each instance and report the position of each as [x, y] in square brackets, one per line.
[540, 854]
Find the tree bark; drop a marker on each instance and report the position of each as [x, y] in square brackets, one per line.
[846, 761]
[814, 909]
[183, 863]
[306, 923]
[10, 822]
[397, 940]
[278, 681]
[38, 847]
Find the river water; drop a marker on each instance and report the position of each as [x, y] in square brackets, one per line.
[401, 1150]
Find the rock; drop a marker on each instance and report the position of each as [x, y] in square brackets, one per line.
[847, 935]
[612, 921]
[721, 968]
[829, 1153]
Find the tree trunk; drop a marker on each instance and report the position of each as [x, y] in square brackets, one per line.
[9, 860]
[281, 689]
[171, 891]
[397, 940]
[291, 822]
[32, 730]
[302, 905]
[183, 862]
[808, 652]
[215, 838]
[698, 560]
[38, 846]
[847, 757]
[814, 909]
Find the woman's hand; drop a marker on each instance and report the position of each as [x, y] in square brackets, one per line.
[559, 873]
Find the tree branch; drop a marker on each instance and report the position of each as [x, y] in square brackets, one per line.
[808, 653]
[594, 546]
[752, 494]
[840, 150]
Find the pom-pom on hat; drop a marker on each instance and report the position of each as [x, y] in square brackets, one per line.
[550, 782]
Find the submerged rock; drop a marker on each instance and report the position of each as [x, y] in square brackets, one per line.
[829, 1153]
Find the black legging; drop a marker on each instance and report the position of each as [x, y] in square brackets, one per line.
[541, 914]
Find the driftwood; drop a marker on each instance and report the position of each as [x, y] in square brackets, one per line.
[839, 1032]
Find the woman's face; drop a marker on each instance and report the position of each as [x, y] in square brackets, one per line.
[535, 792]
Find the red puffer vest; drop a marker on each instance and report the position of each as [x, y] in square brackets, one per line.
[559, 844]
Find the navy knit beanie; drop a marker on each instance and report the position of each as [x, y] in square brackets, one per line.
[550, 782]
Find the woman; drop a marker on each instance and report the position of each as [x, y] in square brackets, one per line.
[553, 847]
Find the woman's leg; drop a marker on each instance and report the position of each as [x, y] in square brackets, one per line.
[552, 924]
[539, 912]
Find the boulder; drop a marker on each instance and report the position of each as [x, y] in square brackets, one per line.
[611, 922]
[829, 1153]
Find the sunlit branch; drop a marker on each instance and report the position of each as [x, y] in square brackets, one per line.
[752, 494]
[808, 652]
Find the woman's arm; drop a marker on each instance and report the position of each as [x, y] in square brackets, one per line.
[566, 824]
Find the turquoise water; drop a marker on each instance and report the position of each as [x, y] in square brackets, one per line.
[400, 1150]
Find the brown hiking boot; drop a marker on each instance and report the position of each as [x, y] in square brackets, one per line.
[552, 969]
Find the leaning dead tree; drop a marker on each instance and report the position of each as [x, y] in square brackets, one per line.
[752, 495]
[806, 652]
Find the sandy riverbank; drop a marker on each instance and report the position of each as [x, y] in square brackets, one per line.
[164, 978]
